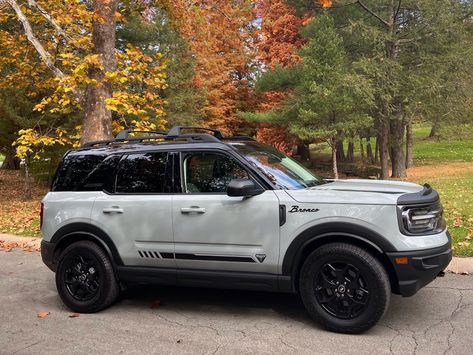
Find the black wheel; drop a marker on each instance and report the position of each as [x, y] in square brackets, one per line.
[344, 288]
[85, 279]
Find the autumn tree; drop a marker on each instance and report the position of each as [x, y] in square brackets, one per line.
[277, 44]
[221, 36]
[76, 66]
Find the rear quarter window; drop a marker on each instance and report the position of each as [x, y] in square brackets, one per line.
[73, 171]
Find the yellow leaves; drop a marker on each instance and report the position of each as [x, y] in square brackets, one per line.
[32, 143]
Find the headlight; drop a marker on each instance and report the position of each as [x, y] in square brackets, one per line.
[419, 220]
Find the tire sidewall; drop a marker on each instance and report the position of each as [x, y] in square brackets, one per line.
[66, 297]
[378, 295]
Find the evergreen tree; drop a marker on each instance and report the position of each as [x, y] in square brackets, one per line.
[325, 96]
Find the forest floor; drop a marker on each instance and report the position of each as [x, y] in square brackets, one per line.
[447, 165]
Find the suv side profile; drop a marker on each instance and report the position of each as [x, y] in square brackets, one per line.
[203, 210]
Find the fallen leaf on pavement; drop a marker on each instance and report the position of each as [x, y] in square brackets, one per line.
[43, 314]
[74, 315]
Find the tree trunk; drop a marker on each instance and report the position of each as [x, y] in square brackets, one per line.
[11, 162]
[351, 151]
[376, 149]
[334, 156]
[434, 129]
[398, 159]
[383, 149]
[27, 179]
[362, 151]
[340, 150]
[97, 123]
[369, 151]
[409, 146]
[303, 150]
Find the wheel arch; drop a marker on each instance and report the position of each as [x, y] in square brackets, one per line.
[74, 232]
[316, 236]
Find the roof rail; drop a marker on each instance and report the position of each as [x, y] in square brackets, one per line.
[177, 131]
[174, 134]
[123, 135]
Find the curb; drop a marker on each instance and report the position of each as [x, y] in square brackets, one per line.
[462, 266]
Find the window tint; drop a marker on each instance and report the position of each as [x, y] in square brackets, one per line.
[73, 171]
[209, 172]
[102, 178]
[143, 173]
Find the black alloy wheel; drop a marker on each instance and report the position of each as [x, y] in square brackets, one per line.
[82, 278]
[341, 290]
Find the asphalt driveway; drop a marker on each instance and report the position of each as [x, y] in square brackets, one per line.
[438, 320]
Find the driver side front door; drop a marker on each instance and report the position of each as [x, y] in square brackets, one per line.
[214, 231]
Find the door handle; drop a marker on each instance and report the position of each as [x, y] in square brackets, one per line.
[193, 209]
[113, 209]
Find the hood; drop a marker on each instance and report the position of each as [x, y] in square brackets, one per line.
[356, 191]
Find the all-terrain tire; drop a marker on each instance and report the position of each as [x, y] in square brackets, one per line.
[365, 280]
[97, 280]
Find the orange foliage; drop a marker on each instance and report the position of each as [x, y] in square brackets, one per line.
[220, 34]
[279, 42]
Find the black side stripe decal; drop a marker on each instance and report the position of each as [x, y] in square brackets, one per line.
[243, 259]
[185, 256]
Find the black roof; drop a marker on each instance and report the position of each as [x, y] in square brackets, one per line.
[176, 137]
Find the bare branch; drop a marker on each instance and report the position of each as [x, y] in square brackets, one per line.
[374, 14]
[47, 16]
[43, 53]
[45, 56]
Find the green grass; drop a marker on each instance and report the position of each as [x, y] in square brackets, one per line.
[456, 193]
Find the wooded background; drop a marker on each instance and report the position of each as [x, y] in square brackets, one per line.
[289, 72]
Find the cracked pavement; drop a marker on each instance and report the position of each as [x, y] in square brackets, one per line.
[438, 320]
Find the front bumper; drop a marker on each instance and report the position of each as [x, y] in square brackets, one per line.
[47, 254]
[422, 267]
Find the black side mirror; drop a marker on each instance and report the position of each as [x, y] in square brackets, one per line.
[243, 188]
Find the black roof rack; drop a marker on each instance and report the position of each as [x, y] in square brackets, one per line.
[175, 133]
[123, 135]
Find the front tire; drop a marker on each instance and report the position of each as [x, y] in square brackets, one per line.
[344, 288]
[85, 278]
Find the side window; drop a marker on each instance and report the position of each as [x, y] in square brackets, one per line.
[102, 178]
[73, 170]
[143, 173]
[209, 172]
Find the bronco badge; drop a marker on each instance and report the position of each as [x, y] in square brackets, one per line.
[296, 208]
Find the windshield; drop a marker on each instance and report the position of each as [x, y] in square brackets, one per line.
[282, 171]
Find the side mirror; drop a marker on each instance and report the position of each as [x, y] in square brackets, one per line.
[243, 188]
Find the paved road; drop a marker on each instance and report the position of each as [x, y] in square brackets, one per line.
[438, 320]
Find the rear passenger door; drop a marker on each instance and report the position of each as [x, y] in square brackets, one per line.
[136, 213]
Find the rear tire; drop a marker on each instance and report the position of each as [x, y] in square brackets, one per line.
[344, 288]
[85, 278]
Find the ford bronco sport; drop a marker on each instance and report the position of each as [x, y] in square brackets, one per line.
[200, 209]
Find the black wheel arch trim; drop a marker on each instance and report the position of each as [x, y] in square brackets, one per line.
[293, 255]
[92, 232]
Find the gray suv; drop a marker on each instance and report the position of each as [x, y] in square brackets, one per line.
[194, 208]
